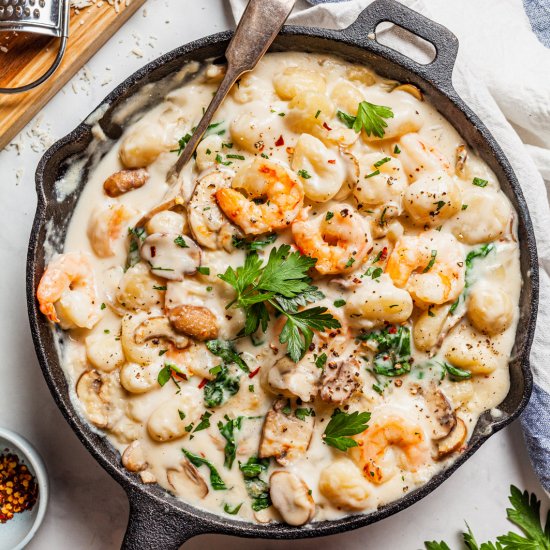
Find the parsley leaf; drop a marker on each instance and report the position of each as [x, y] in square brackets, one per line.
[137, 236]
[480, 182]
[283, 283]
[180, 241]
[304, 174]
[342, 425]
[215, 479]
[370, 117]
[297, 332]
[525, 514]
[321, 361]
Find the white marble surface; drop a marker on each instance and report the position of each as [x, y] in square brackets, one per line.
[87, 509]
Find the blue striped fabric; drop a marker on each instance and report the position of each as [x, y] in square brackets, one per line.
[538, 12]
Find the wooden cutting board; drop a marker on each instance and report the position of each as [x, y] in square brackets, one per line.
[23, 57]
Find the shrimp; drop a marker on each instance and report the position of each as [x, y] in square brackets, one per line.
[274, 197]
[105, 228]
[339, 242]
[430, 266]
[394, 431]
[66, 292]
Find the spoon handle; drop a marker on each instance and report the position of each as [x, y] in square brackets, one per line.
[259, 25]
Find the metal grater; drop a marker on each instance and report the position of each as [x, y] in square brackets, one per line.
[43, 17]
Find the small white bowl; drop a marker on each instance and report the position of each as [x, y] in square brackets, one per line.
[16, 533]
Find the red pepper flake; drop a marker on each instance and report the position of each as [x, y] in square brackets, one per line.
[384, 253]
[203, 383]
[332, 161]
[392, 330]
[254, 373]
[18, 487]
[280, 142]
[327, 127]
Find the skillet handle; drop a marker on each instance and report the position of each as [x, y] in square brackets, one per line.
[440, 70]
[156, 526]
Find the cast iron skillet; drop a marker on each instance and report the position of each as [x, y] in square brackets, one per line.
[157, 519]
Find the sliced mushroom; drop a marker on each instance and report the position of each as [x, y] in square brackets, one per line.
[453, 442]
[441, 411]
[292, 379]
[89, 389]
[133, 458]
[291, 497]
[125, 180]
[147, 477]
[171, 256]
[205, 217]
[195, 321]
[159, 327]
[461, 158]
[410, 89]
[340, 380]
[285, 437]
[187, 481]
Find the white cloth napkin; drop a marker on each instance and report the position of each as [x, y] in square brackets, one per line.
[503, 74]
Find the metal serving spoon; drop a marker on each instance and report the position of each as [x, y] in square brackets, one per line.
[261, 22]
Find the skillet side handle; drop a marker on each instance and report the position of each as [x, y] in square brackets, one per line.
[155, 527]
[440, 70]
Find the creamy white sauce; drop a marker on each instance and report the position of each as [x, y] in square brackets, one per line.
[256, 98]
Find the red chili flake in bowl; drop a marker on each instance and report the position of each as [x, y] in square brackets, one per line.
[18, 487]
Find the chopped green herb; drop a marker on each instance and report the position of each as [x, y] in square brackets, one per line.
[464, 206]
[318, 113]
[396, 150]
[321, 361]
[204, 423]
[301, 414]
[480, 182]
[107, 331]
[350, 262]
[329, 215]
[375, 173]
[180, 241]
[381, 162]
[339, 303]
[431, 262]
[203, 270]
[251, 388]
[181, 414]
[304, 174]
[162, 352]
[103, 306]
[238, 157]
[219, 160]
[137, 236]
[164, 287]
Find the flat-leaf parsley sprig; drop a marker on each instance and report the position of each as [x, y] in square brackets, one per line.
[370, 117]
[343, 425]
[283, 283]
[525, 513]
